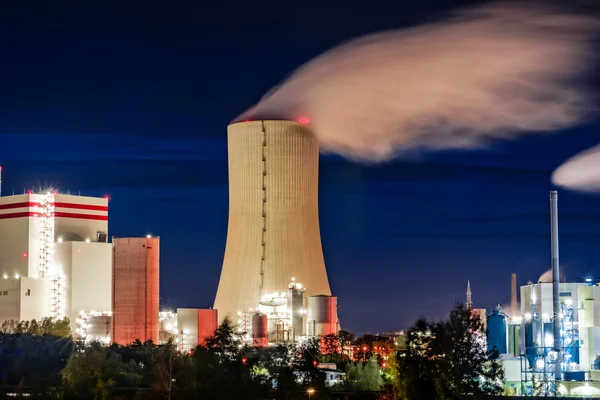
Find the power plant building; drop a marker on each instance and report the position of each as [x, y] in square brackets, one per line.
[135, 294]
[45, 257]
[273, 233]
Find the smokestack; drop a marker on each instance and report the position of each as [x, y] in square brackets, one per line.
[514, 307]
[555, 280]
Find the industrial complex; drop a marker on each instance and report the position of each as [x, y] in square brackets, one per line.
[57, 260]
[550, 343]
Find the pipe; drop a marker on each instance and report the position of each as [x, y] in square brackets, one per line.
[514, 309]
[555, 280]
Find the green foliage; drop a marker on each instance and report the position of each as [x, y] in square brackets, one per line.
[444, 360]
[449, 360]
[46, 326]
[33, 361]
[365, 377]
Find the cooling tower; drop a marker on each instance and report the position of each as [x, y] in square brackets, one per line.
[273, 233]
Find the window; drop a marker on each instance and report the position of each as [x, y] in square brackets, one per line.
[28, 292]
[5, 293]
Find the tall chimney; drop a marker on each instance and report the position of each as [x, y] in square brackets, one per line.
[514, 307]
[555, 281]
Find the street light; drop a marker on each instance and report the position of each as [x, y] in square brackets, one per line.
[310, 392]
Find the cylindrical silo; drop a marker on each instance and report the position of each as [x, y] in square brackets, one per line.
[295, 308]
[321, 315]
[259, 329]
[273, 231]
[496, 325]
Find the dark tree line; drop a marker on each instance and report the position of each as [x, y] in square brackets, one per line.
[438, 360]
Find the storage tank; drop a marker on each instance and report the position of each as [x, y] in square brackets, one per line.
[496, 325]
[321, 316]
[295, 304]
[259, 330]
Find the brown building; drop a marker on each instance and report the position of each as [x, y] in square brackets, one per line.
[135, 289]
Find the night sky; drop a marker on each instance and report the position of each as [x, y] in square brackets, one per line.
[133, 101]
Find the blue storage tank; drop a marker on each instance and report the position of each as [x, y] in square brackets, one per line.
[496, 324]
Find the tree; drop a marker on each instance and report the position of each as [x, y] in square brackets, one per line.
[227, 340]
[163, 367]
[449, 360]
[366, 377]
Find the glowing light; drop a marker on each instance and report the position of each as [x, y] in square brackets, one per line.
[5, 276]
[303, 120]
[24, 254]
[60, 240]
[107, 197]
[568, 302]
[87, 240]
[16, 276]
[148, 236]
[548, 340]
[545, 316]
[528, 316]
[588, 279]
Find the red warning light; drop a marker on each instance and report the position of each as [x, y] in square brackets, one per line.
[384, 364]
[29, 192]
[24, 254]
[303, 120]
[247, 120]
[107, 197]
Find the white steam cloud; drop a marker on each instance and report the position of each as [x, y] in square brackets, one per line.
[487, 73]
[581, 172]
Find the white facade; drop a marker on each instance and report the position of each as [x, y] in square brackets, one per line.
[568, 292]
[87, 269]
[187, 327]
[23, 299]
[44, 275]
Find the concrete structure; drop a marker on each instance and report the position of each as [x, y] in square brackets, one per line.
[273, 233]
[135, 289]
[87, 281]
[321, 316]
[195, 326]
[38, 276]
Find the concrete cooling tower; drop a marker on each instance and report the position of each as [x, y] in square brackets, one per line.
[273, 233]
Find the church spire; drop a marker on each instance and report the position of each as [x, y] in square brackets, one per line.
[469, 299]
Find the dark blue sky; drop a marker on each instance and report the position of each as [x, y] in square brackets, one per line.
[133, 102]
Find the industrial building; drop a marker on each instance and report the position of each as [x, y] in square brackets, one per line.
[135, 294]
[273, 239]
[56, 259]
[551, 343]
[54, 256]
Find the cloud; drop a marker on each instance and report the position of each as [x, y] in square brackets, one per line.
[581, 172]
[494, 72]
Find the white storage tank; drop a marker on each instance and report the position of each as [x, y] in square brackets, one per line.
[321, 315]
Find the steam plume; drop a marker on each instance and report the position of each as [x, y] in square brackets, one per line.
[486, 73]
[581, 172]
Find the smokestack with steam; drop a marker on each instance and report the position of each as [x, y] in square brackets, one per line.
[555, 281]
